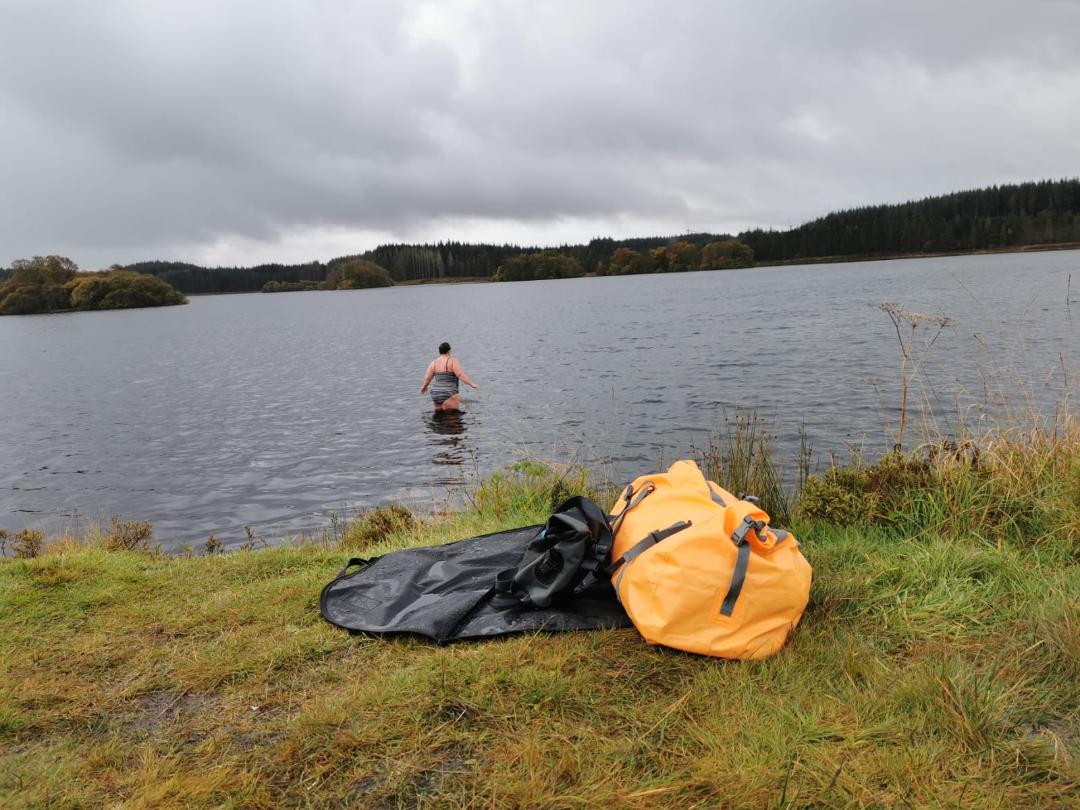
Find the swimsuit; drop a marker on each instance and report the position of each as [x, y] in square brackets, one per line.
[443, 385]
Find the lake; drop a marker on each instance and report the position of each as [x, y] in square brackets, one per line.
[273, 411]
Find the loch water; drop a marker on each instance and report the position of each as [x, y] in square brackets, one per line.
[274, 411]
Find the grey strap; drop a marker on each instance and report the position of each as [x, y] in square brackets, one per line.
[632, 499]
[742, 561]
[360, 561]
[712, 494]
[651, 539]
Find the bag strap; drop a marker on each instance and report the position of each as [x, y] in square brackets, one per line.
[650, 540]
[714, 495]
[632, 499]
[354, 561]
[740, 537]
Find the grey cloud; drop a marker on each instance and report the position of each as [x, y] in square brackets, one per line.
[134, 128]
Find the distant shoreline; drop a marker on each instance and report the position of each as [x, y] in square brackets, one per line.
[1039, 248]
[878, 257]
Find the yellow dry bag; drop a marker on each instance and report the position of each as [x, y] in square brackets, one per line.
[699, 570]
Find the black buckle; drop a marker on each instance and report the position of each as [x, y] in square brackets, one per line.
[738, 537]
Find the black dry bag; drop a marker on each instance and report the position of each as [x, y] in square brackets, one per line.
[456, 592]
[568, 555]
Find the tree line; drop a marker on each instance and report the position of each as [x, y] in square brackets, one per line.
[998, 217]
[677, 257]
[191, 278]
[402, 262]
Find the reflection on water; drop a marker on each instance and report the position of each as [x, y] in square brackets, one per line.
[447, 429]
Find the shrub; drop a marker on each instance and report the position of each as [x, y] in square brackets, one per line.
[548, 264]
[726, 254]
[28, 299]
[882, 493]
[128, 535]
[357, 274]
[378, 526]
[625, 261]
[87, 292]
[678, 257]
[28, 543]
[37, 285]
[127, 290]
[837, 496]
[46, 270]
[291, 286]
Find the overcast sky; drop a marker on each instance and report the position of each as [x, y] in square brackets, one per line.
[239, 132]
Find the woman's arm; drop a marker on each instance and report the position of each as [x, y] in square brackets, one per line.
[461, 375]
[427, 377]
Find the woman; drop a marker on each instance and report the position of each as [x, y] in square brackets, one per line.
[442, 375]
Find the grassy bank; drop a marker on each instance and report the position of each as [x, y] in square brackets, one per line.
[938, 665]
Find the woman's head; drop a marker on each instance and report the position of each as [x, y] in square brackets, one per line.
[444, 348]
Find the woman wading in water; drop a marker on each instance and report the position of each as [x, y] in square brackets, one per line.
[442, 377]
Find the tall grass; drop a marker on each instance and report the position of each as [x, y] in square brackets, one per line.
[742, 459]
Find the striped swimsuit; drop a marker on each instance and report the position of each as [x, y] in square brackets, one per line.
[444, 384]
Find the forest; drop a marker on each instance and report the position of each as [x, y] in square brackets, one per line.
[995, 218]
[1001, 217]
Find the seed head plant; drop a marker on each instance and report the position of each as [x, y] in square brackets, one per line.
[906, 322]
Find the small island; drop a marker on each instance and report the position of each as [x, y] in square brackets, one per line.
[55, 284]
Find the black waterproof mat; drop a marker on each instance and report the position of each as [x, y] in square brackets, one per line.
[446, 594]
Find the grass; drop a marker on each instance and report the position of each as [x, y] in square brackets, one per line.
[937, 665]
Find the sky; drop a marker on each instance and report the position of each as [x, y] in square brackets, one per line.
[241, 132]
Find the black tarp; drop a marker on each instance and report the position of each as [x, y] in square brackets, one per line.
[446, 593]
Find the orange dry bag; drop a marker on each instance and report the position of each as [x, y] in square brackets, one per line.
[699, 570]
